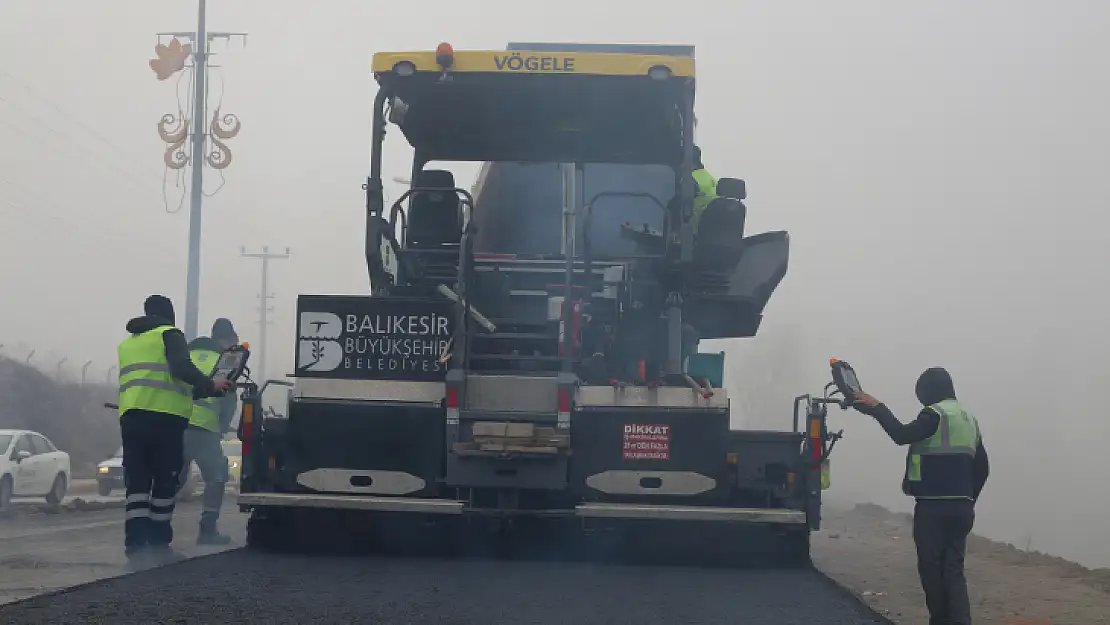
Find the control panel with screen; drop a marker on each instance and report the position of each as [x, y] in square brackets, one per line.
[232, 363]
[845, 379]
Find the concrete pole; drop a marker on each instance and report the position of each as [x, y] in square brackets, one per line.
[200, 118]
[264, 298]
[263, 306]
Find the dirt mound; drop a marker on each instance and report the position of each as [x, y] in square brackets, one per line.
[1006, 552]
[71, 415]
[1001, 552]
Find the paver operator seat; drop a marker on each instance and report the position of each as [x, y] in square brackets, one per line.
[719, 242]
[434, 219]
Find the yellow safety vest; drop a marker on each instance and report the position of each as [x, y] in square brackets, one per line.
[942, 466]
[205, 413]
[145, 381]
[705, 191]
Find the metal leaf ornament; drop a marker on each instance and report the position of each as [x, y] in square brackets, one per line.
[225, 127]
[170, 59]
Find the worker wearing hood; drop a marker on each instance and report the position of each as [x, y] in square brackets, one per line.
[946, 469]
[157, 385]
[210, 419]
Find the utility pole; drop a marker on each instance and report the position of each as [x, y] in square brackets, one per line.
[264, 298]
[170, 60]
[200, 117]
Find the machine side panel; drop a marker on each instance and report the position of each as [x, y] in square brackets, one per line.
[650, 455]
[380, 448]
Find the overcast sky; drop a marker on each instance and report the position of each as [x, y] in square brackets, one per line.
[938, 164]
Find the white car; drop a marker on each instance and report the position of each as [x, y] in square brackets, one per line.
[109, 477]
[31, 466]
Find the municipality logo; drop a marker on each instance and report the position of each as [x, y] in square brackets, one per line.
[318, 347]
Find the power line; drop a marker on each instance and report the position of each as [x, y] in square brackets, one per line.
[18, 210]
[163, 179]
[264, 301]
[71, 117]
[27, 114]
[125, 175]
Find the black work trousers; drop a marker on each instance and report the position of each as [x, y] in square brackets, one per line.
[940, 531]
[152, 457]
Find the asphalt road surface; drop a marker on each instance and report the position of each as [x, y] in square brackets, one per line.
[46, 552]
[115, 497]
[84, 489]
[242, 586]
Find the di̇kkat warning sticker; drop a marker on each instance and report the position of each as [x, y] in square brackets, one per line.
[647, 442]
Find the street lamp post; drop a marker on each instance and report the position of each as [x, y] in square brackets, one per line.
[174, 130]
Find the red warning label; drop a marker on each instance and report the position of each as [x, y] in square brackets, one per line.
[647, 442]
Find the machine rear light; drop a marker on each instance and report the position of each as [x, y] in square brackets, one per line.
[815, 446]
[659, 72]
[248, 420]
[452, 405]
[404, 68]
[564, 408]
[247, 427]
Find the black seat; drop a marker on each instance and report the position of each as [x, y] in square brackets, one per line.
[720, 235]
[434, 219]
[729, 304]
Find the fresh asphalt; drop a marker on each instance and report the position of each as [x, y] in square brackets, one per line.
[247, 586]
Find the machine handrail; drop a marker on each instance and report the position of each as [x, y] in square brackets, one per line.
[395, 210]
[588, 209]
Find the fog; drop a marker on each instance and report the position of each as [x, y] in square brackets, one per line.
[938, 166]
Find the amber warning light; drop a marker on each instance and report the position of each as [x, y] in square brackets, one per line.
[246, 345]
[445, 55]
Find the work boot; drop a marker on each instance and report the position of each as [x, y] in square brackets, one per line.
[164, 554]
[138, 558]
[210, 536]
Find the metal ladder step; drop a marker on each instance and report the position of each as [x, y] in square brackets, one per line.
[517, 336]
[516, 322]
[514, 357]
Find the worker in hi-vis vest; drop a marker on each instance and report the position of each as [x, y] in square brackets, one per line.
[210, 419]
[705, 188]
[157, 384]
[946, 468]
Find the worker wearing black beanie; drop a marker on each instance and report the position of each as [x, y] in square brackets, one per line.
[946, 469]
[222, 330]
[158, 383]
